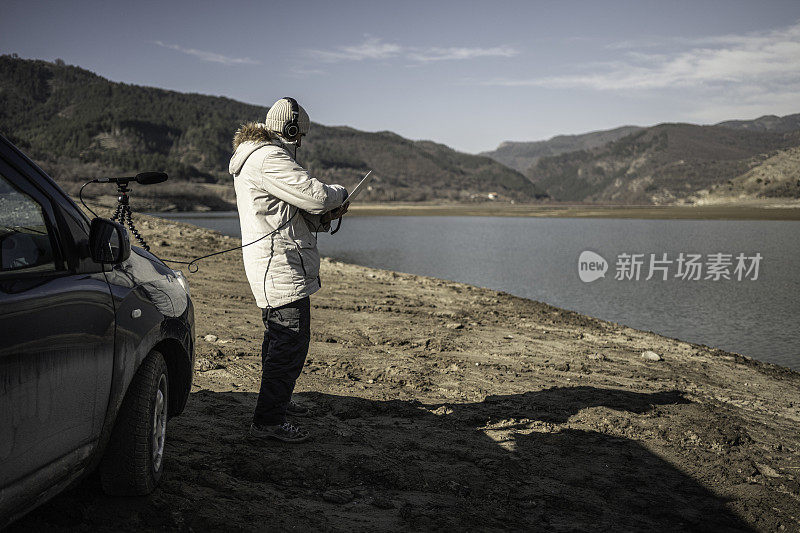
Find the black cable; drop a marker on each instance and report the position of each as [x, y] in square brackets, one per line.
[338, 225]
[124, 216]
[193, 262]
[80, 195]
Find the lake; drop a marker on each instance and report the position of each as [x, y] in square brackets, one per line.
[754, 312]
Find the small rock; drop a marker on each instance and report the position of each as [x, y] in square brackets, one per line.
[767, 471]
[562, 367]
[453, 368]
[210, 338]
[651, 356]
[598, 357]
[509, 337]
[204, 365]
[454, 325]
[339, 496]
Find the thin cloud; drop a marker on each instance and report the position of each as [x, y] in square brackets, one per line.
[211, 57]
[710, 40]
[375, 49]
[460, 53]
[371, 48]
[767, 59]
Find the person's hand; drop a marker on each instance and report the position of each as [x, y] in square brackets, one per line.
[333, 214]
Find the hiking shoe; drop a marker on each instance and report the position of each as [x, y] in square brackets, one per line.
[284, 432]
[295, 409]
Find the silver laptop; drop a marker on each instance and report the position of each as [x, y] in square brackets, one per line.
[360, 187]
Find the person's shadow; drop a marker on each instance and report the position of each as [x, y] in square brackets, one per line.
[509, 462]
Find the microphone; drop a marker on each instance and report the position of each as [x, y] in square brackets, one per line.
[143, 178]
[148, 178]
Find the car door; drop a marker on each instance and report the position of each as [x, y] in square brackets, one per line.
[56, 332]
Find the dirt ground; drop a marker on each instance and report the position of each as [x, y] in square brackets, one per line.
[438, 405]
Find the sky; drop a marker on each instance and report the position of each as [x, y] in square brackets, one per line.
[466, 74]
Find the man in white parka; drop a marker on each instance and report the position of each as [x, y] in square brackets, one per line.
[278, 199]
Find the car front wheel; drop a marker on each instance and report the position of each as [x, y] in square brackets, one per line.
[134, 459]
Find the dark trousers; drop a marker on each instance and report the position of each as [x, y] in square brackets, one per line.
[283, 353]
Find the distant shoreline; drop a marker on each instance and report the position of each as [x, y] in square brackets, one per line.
[710, 212]
[644, 212]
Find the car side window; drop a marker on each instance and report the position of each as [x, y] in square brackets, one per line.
[25, 241]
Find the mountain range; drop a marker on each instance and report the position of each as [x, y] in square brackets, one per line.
[663, 164]
[77, 125]
[523, 155]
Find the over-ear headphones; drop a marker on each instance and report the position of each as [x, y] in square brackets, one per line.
[291, 129]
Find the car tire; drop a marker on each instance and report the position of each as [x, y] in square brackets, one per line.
[134, 459]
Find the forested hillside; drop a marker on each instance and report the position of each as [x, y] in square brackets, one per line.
[522, 156]
[77, 124]
[771, 123]
[662, 164]
[773, 176]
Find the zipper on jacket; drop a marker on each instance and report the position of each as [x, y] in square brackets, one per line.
[302, 264]
[266, 270]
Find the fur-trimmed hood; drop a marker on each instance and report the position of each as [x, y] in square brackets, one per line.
[247, 139]
[256, 132]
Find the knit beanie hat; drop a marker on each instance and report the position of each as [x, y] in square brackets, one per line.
[280, 114]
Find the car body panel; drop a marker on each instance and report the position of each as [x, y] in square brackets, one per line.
[35, 489]
[151, 306]
[70, 343]
[55, 370]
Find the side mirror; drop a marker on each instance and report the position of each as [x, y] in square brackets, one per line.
[108, 241]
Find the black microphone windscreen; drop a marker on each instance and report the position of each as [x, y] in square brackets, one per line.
[148, 178]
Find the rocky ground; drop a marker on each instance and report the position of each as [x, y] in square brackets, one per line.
[438, 405]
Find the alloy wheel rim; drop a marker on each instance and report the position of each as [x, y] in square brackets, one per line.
[159, 423]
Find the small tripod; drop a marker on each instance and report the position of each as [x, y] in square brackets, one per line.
[122, 213]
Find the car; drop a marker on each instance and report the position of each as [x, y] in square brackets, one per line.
[96, 346]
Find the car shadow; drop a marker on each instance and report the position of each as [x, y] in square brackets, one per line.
[508, 462]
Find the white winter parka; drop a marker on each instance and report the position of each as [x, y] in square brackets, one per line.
[273, 192]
